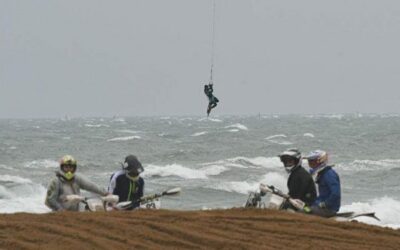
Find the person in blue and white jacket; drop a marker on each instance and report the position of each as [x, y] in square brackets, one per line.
[327, 180]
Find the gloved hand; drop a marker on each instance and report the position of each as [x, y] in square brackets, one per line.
[322, 205]
[306, 209]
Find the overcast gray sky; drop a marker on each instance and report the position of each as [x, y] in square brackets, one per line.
[152, 57]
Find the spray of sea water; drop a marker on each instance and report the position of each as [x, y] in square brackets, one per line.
[215, 161]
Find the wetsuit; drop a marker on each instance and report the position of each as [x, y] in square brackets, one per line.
[212, 100]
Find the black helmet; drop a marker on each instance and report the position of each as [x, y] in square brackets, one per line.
[132, 165]
[291, 154]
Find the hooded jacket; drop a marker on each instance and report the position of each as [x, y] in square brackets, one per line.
[59, 188]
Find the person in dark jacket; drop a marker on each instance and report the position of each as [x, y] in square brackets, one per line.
[327, 203]
[127, 183]
[212, 100]
[300, 183]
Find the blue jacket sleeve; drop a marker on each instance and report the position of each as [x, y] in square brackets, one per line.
[333, 201]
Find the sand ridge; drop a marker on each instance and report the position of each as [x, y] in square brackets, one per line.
[165, 229]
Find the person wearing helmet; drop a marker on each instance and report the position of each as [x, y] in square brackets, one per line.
[327, 203]
[67, 182]
[300, 183]
[212, 100]
[127, 183]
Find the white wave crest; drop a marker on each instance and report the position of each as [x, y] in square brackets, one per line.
[199, 133]
[5, 167]
[370, 165]
[96, 125]
[386, 209]
[241, 187]
[308, 135]
[14, 179]
[126, 138]
[266, 162]
[233, 130]
[276, 136]
[209, 119]
[244, 187]
[122, 120]
[282, 142]
[245, 162]
[128, 131]
[45, 163]
[238, 126]
[183, 172]
[25, 197]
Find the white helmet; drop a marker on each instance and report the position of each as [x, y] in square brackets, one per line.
[290, 158]
[318, 158]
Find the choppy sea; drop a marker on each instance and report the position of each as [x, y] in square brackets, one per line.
[216, 161]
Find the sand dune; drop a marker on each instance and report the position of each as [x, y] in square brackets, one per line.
[163, 229]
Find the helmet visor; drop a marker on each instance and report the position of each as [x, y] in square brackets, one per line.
[68, 167]
[313, 163]
[288, 160]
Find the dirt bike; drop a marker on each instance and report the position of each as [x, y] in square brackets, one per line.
[278, 199]
[110, 202]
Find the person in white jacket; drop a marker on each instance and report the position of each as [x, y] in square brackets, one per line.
[67, 182]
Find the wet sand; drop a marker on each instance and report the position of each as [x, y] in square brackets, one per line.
[163, 229]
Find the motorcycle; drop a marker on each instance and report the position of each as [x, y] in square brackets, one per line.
[278, 199]
[110, 202]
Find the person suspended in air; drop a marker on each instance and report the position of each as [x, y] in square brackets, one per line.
[212, 100]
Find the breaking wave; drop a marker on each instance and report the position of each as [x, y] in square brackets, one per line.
[370, 165]
[209, 119]
[245, 162]
[183, 172]
[199, 133]
[96, 125]
[278, 139]
[244, 187]
[386, 209]
[45, 163]
[18, 194]
[308, 135]
[125, 138]
[238, 126]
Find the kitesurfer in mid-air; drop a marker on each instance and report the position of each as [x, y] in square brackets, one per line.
[212, 100]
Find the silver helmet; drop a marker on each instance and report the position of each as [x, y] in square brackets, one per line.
[290, 158]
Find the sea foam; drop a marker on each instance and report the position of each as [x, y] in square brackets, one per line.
[18, 194]
[386, 209]
[125, 138]
[183, 172]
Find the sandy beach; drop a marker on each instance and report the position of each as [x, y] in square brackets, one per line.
[163, 229]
